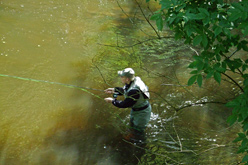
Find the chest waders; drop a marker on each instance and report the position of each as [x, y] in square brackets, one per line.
[141, 110]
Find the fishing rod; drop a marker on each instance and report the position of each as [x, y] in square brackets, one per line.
[57, 83]
[85, 89]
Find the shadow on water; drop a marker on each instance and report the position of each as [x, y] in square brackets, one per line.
[87, 131]
[125, 21]
[72, 142]
[131, 22]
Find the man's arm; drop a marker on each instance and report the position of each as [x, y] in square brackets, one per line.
[116, 90]
[119, 90]
[133, 96]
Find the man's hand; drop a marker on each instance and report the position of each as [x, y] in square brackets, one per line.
[109, 99]
[109, 90]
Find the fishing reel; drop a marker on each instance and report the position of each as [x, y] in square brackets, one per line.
[115, 95]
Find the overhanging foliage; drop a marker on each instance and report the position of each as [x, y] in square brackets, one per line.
[220, 29]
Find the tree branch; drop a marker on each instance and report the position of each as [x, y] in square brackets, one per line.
[151, 151]
[215, 146]
[164, 99]
[138, 43]
[130, 18]
[174, 85]
[124, 11]
[233, 81]
[194, 50]
[147, 20]
[93, 62]
[232, 54]
[209, 102]
[179, 141]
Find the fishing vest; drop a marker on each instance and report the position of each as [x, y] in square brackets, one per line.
[143, 91]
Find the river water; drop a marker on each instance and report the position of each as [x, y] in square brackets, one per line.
[74, 42]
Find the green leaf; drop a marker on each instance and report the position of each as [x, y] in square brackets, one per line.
[189, 29]
[245, 127]
[238, 6]
[237, 139]
[227, 32]
[200, 65]
[204, 40]
[244, 67]
[242, 135]
[199, 80]
[224, 23]
[194, 72]
[174, 2]
[214, 15]
[200, 16]
[192, 80]
[244, 112]
[206, 21]
[171, 19]
[218, 57]
[217, 77]
[243, 25]
[232, 119]
[245, 159]
[235, 15]
[245, 47]
[147, 0]
[210, 74]
[192, 64]
[245, 31]
[244, 142]
[155, 16]
[240, 118]
[165, 4]
[197, 40]
[237, 63]
[204, 11]
[190, 16]
[198, 58]
[244, 15]
[223, 65]
[241, 150]
[179, 7]
[217, 30]
[230, 64]
[232, 104]
[178, 35]
[159, 23]
[246, 82]
[220, 69]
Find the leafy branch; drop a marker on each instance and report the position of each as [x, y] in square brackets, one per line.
[216, 27]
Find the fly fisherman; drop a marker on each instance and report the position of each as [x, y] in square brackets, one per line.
[136, 97]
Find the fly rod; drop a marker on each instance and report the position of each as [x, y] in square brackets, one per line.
[57, 83]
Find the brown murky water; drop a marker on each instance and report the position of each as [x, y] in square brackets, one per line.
[58, 41]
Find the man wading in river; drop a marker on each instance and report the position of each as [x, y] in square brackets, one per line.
[136, 97]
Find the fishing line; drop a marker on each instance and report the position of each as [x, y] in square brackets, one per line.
[85, 89]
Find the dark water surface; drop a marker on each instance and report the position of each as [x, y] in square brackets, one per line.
[63, 41]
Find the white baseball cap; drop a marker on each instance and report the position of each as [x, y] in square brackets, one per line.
[128, 72]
